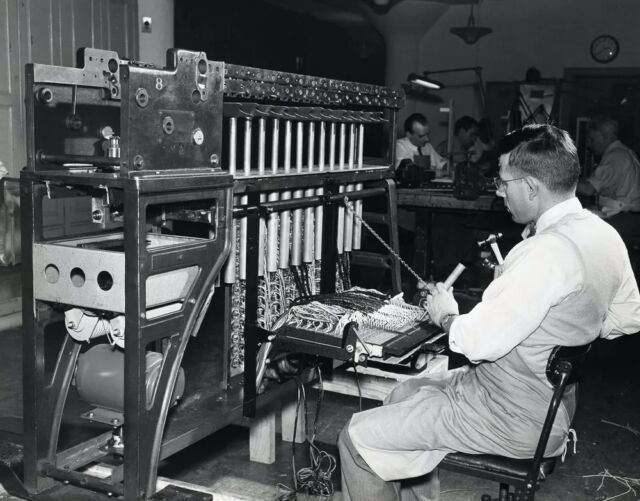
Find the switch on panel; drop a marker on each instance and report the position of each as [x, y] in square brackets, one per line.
[146, 24]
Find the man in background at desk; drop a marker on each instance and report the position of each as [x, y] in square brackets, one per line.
[415, 146]
[568, 283]
[465, 133]
[616, 179]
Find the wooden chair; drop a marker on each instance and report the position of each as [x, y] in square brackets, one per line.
[563, 369]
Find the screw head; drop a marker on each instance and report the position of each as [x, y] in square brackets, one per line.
[198, 137]
[138, 162]
[349, 348]
[142, 97]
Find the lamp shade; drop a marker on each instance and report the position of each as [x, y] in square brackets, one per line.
[424, 81]
[471, 34]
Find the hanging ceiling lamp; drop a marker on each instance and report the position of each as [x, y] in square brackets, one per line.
[471, 33]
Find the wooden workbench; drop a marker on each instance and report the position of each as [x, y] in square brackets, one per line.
[421, 204]
[439, 199]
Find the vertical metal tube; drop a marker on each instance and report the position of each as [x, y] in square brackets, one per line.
[296, 236]
[341, 154]
[357, 229]
[230, 267]
[320, 191]
[309, 235]
[348, 219]
[242, 271]
[262, 224]
[285, 217]
[272, 224]
[332, 146]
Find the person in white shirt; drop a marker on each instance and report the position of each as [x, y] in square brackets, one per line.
[616, 179]
[416, 143]
[568, 283]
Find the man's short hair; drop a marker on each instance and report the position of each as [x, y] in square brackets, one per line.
[605, 124]
[418, 118]
[544, 152]
[464, 123]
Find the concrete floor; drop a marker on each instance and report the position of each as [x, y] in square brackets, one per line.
[610, 392]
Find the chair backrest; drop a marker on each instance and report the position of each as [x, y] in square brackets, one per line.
[567, 359]
[564, 367]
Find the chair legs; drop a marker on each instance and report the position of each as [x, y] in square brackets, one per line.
[521, 494]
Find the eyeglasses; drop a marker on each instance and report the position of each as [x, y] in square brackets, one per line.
[500, 183]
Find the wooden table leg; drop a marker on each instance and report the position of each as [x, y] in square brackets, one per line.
[262, 437]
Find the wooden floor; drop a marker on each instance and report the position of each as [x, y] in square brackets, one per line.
[610, 392]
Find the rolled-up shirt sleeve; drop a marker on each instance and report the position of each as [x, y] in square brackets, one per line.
[609, 177]
[623, 316]
[537, 275]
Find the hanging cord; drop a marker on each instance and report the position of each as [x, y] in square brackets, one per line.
[316, 478]
[349, 205]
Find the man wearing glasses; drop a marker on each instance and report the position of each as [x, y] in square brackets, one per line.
[567, 283]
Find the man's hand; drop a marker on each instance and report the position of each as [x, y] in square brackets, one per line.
[440, 303]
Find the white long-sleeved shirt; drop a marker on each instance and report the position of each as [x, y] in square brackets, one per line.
[566, 285]
[617, 177]
[406, 149]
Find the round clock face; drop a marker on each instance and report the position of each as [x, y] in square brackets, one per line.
[604, 48]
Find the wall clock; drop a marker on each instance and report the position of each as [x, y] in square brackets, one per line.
[605, 48]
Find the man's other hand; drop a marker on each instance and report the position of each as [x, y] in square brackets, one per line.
[440, 303]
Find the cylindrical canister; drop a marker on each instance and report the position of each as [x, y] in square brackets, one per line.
[100, 377]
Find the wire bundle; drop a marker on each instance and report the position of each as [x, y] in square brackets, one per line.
[316, 478]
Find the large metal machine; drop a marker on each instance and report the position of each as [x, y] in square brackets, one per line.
[199, 178]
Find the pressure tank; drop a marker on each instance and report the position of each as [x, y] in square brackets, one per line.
[100, 377]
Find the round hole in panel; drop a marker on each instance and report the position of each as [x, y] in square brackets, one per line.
[51, 273]
[77, 277]
[112, 65]
[105, 280]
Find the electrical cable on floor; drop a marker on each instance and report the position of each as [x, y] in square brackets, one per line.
[316, 478]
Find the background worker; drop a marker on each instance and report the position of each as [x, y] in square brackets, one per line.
[415, 144]
[465, 133]
[616, 179]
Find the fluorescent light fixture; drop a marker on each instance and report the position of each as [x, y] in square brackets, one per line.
[424, 81]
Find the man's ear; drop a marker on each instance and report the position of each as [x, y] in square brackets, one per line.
[533, 186]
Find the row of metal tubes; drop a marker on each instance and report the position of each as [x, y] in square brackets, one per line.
[303, 242]
[303, 113]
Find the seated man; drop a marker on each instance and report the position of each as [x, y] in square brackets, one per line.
[616, 180]
[465, 133]
[566, 284]
[416, 143]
